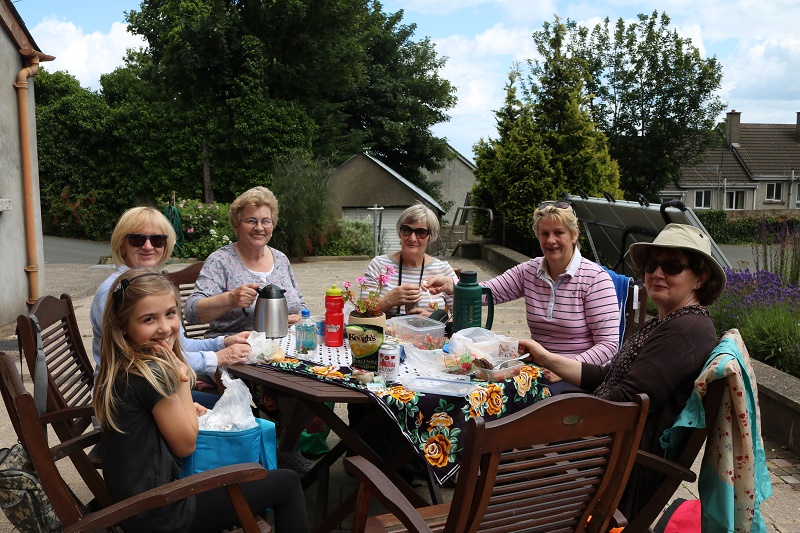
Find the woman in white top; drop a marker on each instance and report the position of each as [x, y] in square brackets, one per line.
[405, 269]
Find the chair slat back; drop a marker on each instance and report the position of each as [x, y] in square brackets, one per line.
[185, 280]
[70, 373]
[22, 411]
[548, 467]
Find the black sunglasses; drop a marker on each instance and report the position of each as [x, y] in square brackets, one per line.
[559, 204]
[137, 240]
[670, 267]
[421, 233]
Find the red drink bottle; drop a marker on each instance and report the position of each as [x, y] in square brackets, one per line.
[334, 317]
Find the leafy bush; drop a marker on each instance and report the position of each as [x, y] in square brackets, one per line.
[78, 215]
[349, 237]
[205, 227]
[765, 310]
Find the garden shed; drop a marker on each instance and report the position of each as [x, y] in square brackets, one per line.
[363, 181]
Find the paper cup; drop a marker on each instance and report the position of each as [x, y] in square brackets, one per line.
[508, 347]
[319, 322]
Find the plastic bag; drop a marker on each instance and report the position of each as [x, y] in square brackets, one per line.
[481, 341]
[264, 350]
[232, 411]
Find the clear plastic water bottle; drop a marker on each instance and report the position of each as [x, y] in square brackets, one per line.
[305, 333]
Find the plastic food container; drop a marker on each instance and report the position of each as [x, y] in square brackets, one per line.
[510, 369]
[440, 386]
[422, 332]
[427, 359]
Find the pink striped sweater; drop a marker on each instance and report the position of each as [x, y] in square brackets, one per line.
[576, 315]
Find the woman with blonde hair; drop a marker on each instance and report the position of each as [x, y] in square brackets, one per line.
[144, 238]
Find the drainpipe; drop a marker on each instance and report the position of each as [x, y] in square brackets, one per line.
[27, 167]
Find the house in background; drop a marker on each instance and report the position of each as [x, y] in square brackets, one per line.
[755, 168]
[363, 181]
[457, 177]
[22, 259]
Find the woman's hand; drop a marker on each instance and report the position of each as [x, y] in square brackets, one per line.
[294, 319]
[406, 293]
[234, 354]
[420, 311]
[549, 376]
[239, 338]
[243, 295]
[439, 284]
[537, 353]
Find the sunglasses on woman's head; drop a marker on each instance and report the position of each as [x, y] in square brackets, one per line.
[670, 267]
[559, 204]
[137, 240]
[421, 233]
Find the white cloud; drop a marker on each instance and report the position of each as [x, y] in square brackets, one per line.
[85, 56]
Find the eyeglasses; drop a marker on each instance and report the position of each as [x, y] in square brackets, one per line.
[137, 240]
[421, 233]
[670, 267]
[559, 204]
[253, 222]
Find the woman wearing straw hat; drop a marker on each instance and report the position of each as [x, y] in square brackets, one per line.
[668, 353]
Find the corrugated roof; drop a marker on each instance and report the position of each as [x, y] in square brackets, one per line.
[419, 192]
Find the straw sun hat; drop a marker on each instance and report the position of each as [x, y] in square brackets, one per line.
[683, 237]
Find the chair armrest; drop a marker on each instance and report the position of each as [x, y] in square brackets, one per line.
[387, 493]
[171, 492]
[665, 466]
[68, 413]
[81, 442]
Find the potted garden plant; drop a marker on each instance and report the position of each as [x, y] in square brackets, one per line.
[367, 309]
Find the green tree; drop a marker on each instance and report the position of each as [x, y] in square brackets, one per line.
[653, 95]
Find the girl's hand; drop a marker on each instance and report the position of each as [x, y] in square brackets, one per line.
[243, 295]
[239, 338]
[199, 409]
[438, 284]
[183, 368]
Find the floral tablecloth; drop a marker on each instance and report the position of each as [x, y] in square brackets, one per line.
[434, 424]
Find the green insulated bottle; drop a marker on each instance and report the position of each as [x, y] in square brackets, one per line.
[467, 302]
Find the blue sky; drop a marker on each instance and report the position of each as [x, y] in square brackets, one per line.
[757, 42]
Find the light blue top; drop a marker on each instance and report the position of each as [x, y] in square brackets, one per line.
[199, 353]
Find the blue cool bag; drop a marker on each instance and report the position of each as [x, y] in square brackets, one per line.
[222, 448]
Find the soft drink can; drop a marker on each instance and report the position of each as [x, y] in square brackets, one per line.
[389, 362]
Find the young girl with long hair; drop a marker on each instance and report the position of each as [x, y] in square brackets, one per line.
[143, 402]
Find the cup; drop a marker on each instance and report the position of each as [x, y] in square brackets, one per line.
[319, 323]
[508, 347]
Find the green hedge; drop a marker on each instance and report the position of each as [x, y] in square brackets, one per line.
[744, 230]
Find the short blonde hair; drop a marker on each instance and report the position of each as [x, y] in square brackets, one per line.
[132, 221]
[420, 214]
[566, 217]
[255, 197]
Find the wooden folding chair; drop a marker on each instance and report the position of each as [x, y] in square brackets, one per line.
[70, 510]
[547, 468]
[185, 279]
[70, 377]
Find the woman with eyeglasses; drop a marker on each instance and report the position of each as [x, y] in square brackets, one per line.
[227, 287]
[571, 304]
[144, 238]
[226, 291]
[417, 227]
[665, 357]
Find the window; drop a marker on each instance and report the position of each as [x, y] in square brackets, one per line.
[774, 191]
[702, 199]
[734, 200]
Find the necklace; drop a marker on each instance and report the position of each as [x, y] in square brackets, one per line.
[400, 276]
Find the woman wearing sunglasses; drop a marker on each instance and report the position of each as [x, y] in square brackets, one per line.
[144, 238]
[667, 354]
[403, 271]
[571, 304]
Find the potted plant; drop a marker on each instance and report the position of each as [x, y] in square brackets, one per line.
[367, 310]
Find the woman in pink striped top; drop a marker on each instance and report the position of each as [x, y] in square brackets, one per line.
[571, 304]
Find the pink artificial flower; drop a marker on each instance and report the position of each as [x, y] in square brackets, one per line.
[346, 285]
[361, 280]
[383, 279]
[390, 270]
[190, 230]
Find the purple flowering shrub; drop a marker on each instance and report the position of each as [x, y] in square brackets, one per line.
[766, 310]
